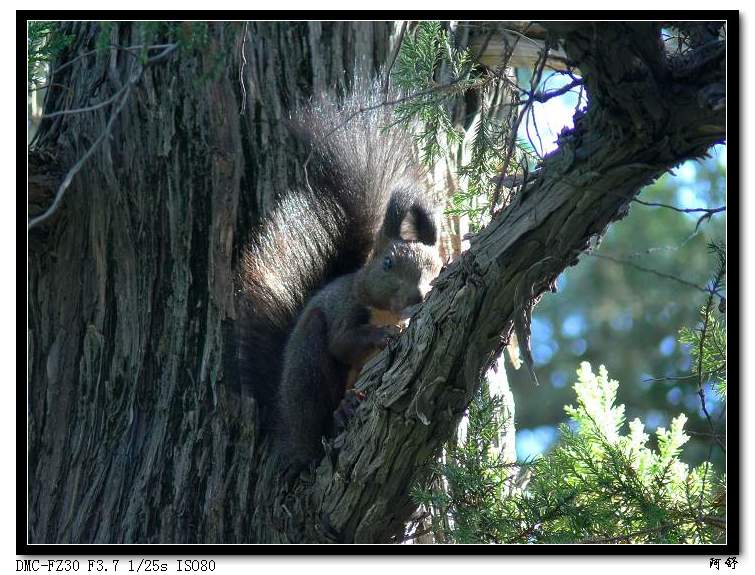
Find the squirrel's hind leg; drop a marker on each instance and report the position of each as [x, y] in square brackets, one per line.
[312, 386]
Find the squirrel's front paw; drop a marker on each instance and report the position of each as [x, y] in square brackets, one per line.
[347, 408]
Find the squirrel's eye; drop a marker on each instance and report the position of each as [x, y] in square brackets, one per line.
[387, 263]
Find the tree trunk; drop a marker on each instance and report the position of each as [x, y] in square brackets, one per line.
[137, 432]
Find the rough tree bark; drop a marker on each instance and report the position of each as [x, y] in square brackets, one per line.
[136, 432]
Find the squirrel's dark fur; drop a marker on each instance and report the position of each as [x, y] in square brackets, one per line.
[332, 269]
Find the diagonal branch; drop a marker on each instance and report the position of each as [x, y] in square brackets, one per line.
[417, 389]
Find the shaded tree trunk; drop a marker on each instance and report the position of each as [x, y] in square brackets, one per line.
[137, 432]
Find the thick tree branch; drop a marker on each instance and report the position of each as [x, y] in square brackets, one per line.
[642, 120]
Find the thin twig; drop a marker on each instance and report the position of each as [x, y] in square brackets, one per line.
[545, 96]
[700, 381]
[484, 46]
[704, 434]
[167, 49]
[655, 249]
[654, 272]
[77, 166]
[91, 108]
[523, 36]
[710, 211]
[534, 82]
[50, 85]
[396, 50]
[116, 46]
[537, 133]
[669, 378]
[241, 71]
[134, 78]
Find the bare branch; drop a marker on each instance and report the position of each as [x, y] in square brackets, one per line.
[241, 68]
[709, 211]
[701, 378]
[123, 93]
[654, 272]
[91, 108]
[396, 50]
[117, 47]
[545, 96]
[670, 378]
[77, 166]
[705, 434]
[534, 82]
[426, 377]
[167, 49]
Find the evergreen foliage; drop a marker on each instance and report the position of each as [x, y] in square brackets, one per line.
[44, 42]
[422, 52]
[599, 484]
[431, 72]
[707, 341]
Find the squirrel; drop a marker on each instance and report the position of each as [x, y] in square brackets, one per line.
[334, 270]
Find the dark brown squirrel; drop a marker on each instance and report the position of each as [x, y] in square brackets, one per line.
[350, 320]
[333, 271]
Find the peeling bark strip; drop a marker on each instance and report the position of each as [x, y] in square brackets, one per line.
[136, 433]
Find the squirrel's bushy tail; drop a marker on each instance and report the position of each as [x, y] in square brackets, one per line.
[354, 166]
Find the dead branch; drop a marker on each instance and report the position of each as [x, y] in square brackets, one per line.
[137, 71]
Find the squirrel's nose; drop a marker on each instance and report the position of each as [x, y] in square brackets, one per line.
[418, 295]
[415, 298]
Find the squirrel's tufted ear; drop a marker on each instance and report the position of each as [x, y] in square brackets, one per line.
[419, 225]
[409, 217]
